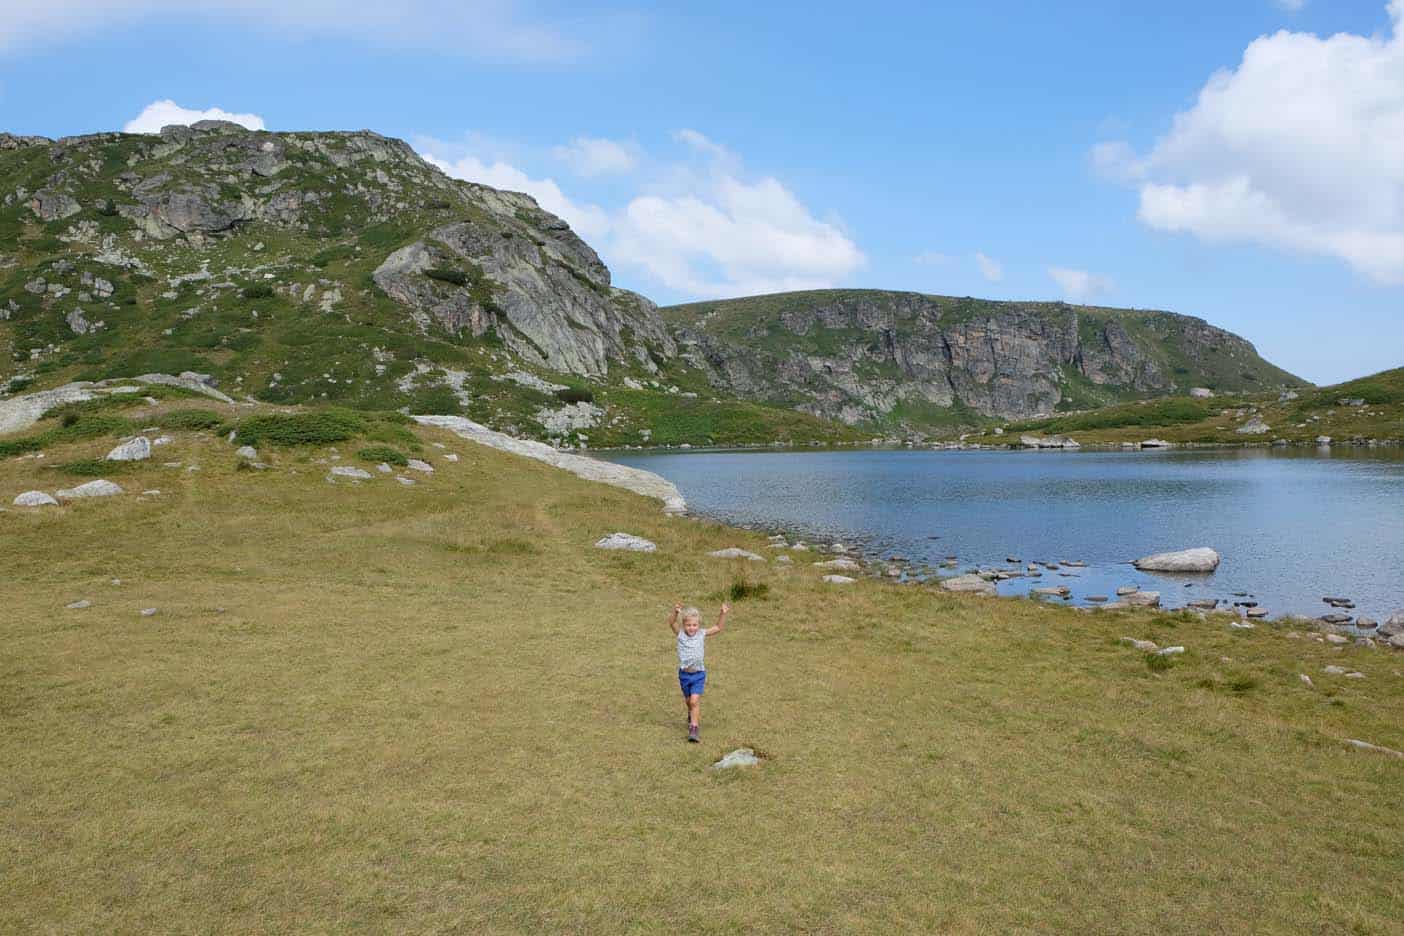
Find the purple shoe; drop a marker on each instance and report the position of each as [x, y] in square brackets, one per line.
[692, 734]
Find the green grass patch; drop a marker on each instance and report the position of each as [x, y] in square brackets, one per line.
[321, 427]
[191, 419]
[94, 467]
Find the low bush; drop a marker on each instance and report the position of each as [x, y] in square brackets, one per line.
[257, 291]
[383, 453]
[316, 428]
[191, 419]
[93, 467]
[576, 395]
[741, 590]
[446, 275]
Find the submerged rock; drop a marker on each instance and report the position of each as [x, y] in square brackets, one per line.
[1142, 599]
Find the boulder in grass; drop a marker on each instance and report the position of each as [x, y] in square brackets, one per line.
[1142, 599]
[98, 488]
[839, 565]
[733, 552]
[626, 541]
[138, 449]
[741, 757]
[1199, 559]
[35, 499]
[347, 471]
[247, 452]
[416, 464]
[839, 580]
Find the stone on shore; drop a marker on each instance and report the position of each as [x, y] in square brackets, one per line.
[839, 565]
[1204, 604]
[98, 488]
[138, 449]
[626, 541]
[1142, 599]
[969, 583]
[734, 552]
[1199, 559]
[1254, 426]
[1127, 590]
[35, 499]
[1394, 624]
[1057, 591]
[839, 580]
[1366, 623]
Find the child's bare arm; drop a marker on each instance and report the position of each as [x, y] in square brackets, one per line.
[721, 621]
[673, 618]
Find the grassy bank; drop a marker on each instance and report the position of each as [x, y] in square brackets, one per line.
[435, 708]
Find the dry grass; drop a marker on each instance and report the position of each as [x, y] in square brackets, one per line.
[437, 709]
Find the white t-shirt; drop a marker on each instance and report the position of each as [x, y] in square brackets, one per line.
[690, 649]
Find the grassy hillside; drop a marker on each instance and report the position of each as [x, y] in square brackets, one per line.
[436, 708]
[1358, 410]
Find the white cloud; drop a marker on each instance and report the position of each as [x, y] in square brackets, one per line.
[1291, 6]
[990, 269]
[1079, 284]
[592, 156]
[589, 221]
[160, 114]
[733, 238]
[495, 30]
[1297, 148]
[703, 145]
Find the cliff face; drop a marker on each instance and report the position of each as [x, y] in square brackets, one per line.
[332, 221]
[872, 356]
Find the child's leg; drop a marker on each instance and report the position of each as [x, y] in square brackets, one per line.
[694, 710]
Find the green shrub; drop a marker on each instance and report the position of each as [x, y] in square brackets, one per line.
[435, 401]
[191, 419]
[316, 428]
[383, 453]
[576, 395]
[446, 275]
[257, 291]
[741, 590]
[9, 448]
[107, 209]
[1159, 663]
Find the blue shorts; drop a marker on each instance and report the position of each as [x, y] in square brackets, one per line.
[692, 683]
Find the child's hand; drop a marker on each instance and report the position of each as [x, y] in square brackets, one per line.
[677, 608]
[726, 608]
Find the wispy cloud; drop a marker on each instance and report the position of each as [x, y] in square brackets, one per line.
[1080, 284]
[592, 156]
[492, 30]
[990, 268]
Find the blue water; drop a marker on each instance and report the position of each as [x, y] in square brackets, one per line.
[1292, 526]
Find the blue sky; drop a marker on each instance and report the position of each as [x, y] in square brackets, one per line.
[1239, 161]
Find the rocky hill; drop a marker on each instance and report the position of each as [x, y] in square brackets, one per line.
[341, 268]
[870, 356]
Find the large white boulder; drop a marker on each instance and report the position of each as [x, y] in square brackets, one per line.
[138, 449]
[35, 499]
[626, 541]
[1199, 559]
[99, 488]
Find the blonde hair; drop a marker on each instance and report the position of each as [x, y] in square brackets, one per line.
[691, 613]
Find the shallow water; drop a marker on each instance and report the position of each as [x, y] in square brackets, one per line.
[1292, 526]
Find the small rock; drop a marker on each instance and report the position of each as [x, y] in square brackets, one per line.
[969, 583]
[348, 471]
[1242, 625]
[741, 757]
[784, 560]
[35, 499]
[841, 565]
[247, 452]
[1337, 639]
[1171, 651]
[153, 492]
[148, 612]
[1333, 669]
[1148, 646]
[1140, 599]
[79, 605]
[416, 465]
[1060, 591]
[1367, 746]
[138, 449]
[1335, 619]
[626, 541]
[1366, 623]
[733, 552]
[1127, 590]
[1306, 681]
[1354, 675]
[1096, 599]
[451, 457]
[1257, 612]
[839, 580]
[407, 482]
[1207, 604]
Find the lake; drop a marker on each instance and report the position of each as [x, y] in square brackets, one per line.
[1292, 525]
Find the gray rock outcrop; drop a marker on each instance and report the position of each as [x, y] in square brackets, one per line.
[35, 499]
[636, 480]
[735, 552]
[972, 584]
[99, 488]
[138, 449]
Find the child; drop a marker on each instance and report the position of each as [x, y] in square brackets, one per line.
[692, 675]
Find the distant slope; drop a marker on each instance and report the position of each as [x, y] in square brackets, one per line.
[901, 358]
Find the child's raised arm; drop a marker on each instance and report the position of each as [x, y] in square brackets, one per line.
[673, 618]
[721, 621]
